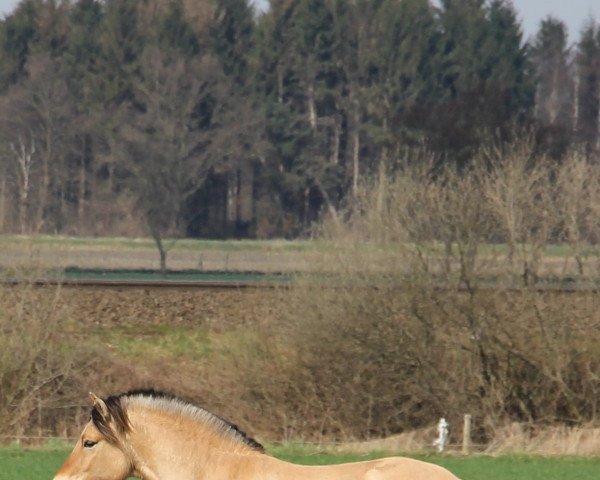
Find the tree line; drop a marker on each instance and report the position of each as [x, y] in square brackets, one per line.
[206, 118]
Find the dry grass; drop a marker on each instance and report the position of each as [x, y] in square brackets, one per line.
[550, 440]
[515, 438]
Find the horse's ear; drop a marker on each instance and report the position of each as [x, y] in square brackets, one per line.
[98, 403]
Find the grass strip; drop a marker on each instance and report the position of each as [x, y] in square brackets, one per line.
[32, 464]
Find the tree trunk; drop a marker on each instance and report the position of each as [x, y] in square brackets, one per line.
[81, 193]
[330, 207]
[232, 195]
[597, 144]
[381, 181]
[279, 86]
[45, 185]
[23, 204]
[554, 100]
[335, 154]
[576, 87]
[312, 111]
[24, 159]
[355, 159]
[163, 262]
[246, 193]
[162, 253]
[2, 204]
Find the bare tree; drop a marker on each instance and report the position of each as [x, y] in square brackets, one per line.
[170, 139]
[577, 194]
[24, 158]
[517, 193]
[37, 129]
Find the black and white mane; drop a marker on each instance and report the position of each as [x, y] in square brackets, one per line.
[117, 407]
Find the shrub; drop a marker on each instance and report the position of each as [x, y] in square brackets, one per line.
[430, 306]
[41, 367]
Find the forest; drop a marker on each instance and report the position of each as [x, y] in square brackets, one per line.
[206, 118]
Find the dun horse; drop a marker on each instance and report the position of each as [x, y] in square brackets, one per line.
[155, 436]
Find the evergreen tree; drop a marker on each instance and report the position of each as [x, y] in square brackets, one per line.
[484, 73]
[300, 79]
[175, 32]
[83, 52]
[554, 86]
[232, 36]
[507, 65]
[52, 27]
[587, 90]
[351, 22]
[402, 75]
[17, 33]
[122, 44]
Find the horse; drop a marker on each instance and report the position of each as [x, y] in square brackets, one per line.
[157, 436]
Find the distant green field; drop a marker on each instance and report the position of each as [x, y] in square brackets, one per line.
[22, 464]
[72, 273]
[274, 245]
[60, 241]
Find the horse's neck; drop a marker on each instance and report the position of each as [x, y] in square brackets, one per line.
[167, 448]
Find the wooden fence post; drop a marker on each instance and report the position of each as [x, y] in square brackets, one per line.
[466, 441]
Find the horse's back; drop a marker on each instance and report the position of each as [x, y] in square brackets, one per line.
[390, 468]
[403, 468]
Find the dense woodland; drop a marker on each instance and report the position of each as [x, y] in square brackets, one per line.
[206, 118]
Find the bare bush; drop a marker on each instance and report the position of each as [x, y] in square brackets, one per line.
[40, 365]
[518, 195]
[578, 208]
[418, 322]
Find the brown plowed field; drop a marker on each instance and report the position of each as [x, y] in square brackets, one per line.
[179, 307]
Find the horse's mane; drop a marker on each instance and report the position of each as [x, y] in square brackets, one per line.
[117, 407]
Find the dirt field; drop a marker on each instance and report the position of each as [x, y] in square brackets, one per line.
[176, 307]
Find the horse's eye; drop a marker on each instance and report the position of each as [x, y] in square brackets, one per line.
[89, 443]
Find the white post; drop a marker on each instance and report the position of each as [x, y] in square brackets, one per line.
[442, 430]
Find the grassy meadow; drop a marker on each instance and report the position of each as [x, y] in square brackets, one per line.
[34, 464]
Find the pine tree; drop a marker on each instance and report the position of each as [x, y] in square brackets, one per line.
[175, 32]
[587, 91]
[508, 65]
[554, 86]
[122, 44]
[83, 51]
[484, 74]
[402, 70]
[299, 79]
[232, 36]
[17, 33]
[351, 22]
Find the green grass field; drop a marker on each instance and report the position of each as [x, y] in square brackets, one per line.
[72, 273]
[25, 464]
[49, 242]
[122, 243]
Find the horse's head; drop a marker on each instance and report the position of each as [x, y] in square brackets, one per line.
[100, 452]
